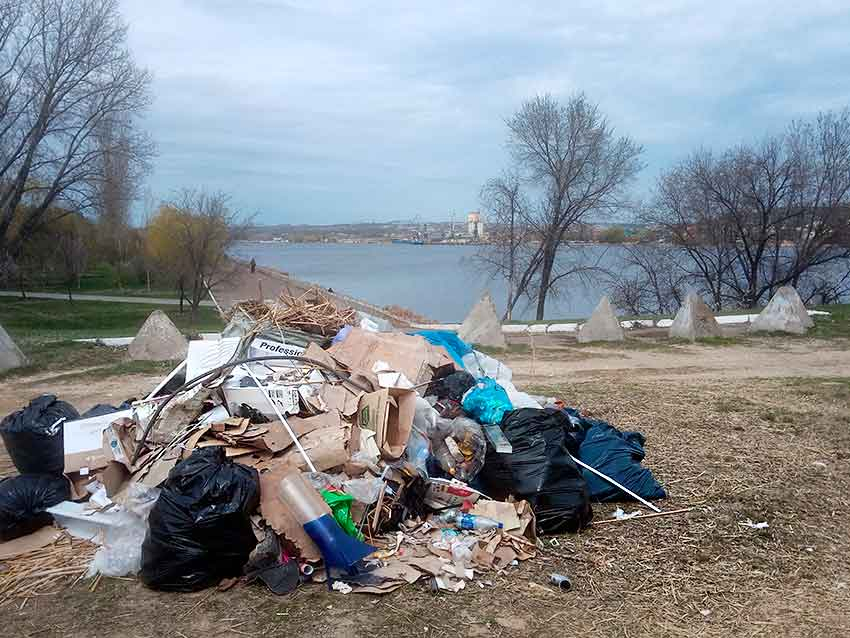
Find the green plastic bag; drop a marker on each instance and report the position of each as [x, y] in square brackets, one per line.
[340, 504]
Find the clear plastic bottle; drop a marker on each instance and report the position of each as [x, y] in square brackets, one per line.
[468, 521]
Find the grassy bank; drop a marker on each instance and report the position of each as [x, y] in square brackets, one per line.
[45, 330]
[46, 319]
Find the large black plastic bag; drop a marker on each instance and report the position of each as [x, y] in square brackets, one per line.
[540, 470]
[24, 499]
[199, 531]
[34, 439]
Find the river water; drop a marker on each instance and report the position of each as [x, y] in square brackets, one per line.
[439, 282]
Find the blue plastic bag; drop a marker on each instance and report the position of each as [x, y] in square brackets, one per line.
[454, 345]
[487, 402]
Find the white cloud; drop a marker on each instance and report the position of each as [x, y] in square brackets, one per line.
[348, 110]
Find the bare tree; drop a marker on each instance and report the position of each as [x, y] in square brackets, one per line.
[649, 280]
[123, 157]
[685, 213]
[70, 251]
[571, 162]
[505, 205]
[761, 216]
[64, 70]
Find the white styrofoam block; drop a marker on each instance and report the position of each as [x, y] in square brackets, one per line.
[562, 327]
[664, 323]
[203, 356]
[112, 342]
[515, 328]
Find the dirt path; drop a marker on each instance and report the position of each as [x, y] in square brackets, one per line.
[769, 358]
[79, 392]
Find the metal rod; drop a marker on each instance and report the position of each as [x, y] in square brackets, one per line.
[281, 417]
[210, 292]
[616, 484]
[642, 516]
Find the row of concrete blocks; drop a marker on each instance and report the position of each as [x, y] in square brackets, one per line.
[566, 328]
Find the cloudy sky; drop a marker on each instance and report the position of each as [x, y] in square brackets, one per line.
[314, 111]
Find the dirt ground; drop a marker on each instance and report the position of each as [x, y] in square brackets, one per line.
[759, 432]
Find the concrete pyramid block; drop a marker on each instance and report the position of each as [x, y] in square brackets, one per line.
[603, 325]
[10, 354]
[158, 340]
[694, 320]
[784, 313]
[482, 325]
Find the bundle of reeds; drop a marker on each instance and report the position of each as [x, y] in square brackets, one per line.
[310, 312]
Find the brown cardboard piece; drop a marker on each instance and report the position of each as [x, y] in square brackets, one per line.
[339, 398]
[389, 414]
[500, 511]
[23, 544]
[326, 448]
[317, 353]
[279, 516]
[411, 355]
[119, 441]
[114, 477]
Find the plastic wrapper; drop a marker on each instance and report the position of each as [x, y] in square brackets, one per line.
[418, 451]
[462, 457]
[540, 470]
[120, 553]
[323, 481]
[465, 458]
[34, 436]
[199, 530]
[364, 490]
[24, 499]
[340, 504]
[487, 401]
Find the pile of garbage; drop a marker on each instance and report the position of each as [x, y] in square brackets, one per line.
[282, 454]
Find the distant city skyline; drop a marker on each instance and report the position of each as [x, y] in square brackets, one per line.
[356, 112]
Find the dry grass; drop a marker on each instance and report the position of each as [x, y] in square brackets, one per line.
[766, 450]
[44, 571]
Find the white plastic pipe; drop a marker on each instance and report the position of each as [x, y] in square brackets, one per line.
[281, 417]
[616, 484]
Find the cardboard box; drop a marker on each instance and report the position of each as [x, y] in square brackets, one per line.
[119, 441]
[389, 414]
[84, 442]
[285, 397]
[410, 355]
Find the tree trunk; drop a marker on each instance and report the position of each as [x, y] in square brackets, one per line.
[545, 278]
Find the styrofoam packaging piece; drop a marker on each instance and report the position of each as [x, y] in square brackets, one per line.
[515, 328]
[562, 327]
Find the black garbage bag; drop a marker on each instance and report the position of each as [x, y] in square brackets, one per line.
[199, 531]
[540, 470]
[34, 436]
[24, 499]
[452, 386]
[102, 409]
